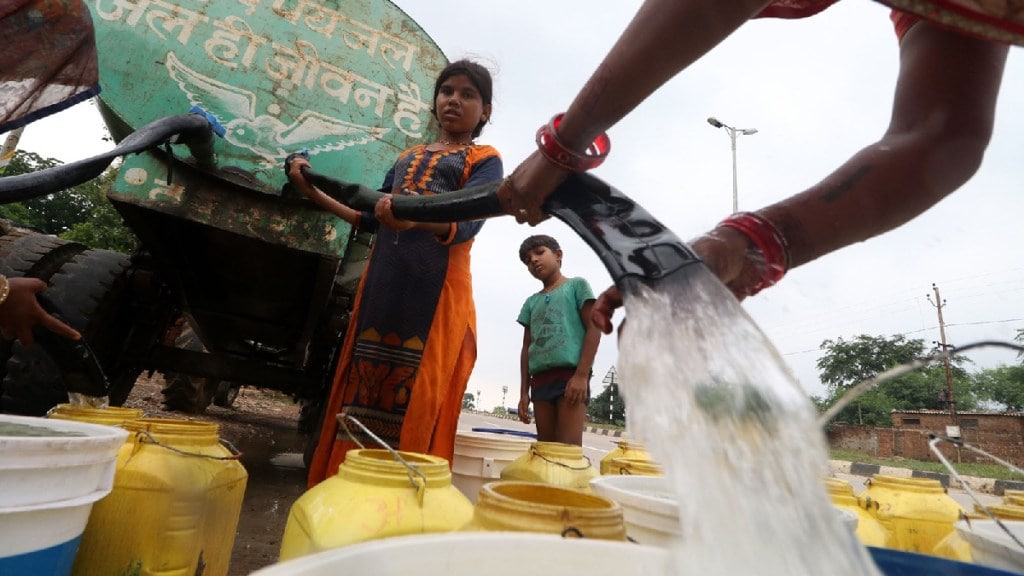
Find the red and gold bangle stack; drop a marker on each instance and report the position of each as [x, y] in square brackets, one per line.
[768, 240]
[556, 152]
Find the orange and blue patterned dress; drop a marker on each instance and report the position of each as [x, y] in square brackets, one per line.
[411, 343]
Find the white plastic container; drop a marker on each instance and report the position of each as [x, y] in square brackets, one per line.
[51, 474]
[991, 546]
[481, 456]
[476, 553]
[649, 509]
[69, 460]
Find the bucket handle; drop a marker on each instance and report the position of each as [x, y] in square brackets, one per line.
[572, 532]
[533, 450]
[420, 484]
[145, 437]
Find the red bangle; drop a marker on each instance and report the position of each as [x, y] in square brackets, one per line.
[556, 152]
[768, 240]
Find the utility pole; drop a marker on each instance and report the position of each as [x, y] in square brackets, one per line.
[939, 304]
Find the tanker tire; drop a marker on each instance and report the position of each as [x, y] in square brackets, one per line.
[86, 289]
[27, 254]
[226, 394]
[35, 255]
[184, 393]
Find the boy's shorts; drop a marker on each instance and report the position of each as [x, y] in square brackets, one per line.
[549, 385]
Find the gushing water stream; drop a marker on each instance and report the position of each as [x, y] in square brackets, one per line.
[738, 439]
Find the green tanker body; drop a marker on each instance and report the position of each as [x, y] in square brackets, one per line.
[236, 281]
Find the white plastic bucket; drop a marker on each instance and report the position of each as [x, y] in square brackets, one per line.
[649, 509]
[480, 457]
[67, 460]
[991, 546]
[43, 538]
[848, 518]
[475, 553]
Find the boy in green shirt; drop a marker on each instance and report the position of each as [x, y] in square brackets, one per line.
[559, 345]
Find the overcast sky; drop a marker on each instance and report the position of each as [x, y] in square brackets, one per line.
[816, 90]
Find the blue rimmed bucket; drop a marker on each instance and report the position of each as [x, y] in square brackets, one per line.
[51, 474]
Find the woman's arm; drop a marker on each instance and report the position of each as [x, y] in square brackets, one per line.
[325, 202]
[663, 38]
[943, 113]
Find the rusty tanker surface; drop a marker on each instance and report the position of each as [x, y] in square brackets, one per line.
[237, 280]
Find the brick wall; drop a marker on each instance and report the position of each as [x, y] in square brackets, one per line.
[1000, 434]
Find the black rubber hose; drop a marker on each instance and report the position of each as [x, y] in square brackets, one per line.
[631, 243]
[82, 371]
[193, 130]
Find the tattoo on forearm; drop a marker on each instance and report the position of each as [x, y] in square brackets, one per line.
[836, 192]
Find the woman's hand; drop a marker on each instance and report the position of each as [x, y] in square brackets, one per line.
[523, 193]
[731, 256]
[385, 214]
[298, 179]
[725, 251]
[20, 312]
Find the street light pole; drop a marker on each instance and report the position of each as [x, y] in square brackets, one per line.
[733, 133]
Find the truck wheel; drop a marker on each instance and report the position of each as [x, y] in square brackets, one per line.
[184, 393]
[226, 394]
[88, 290]
[24, 253]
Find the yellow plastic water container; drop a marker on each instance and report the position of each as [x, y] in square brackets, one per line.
[552, 463]
[634, 467]
[174, 507]
[954, 547]
[624, 448]
[373, 496]
[917, 512]
[511, 506]
[1015, 497]
[869, 530]
[109, 416]
[1001, 511]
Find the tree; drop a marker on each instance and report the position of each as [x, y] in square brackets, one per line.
[468, 401]
[81, 213]
[1004, 384]
[847, 363]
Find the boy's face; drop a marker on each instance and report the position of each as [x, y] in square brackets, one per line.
[543, 262]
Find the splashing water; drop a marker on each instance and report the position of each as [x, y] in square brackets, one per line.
[738, 439]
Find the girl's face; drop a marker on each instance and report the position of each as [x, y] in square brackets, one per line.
[459, 107]
[543, 262]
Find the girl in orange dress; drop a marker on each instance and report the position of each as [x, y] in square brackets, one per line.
[411, 343]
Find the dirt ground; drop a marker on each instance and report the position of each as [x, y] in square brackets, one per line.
[262, 425]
